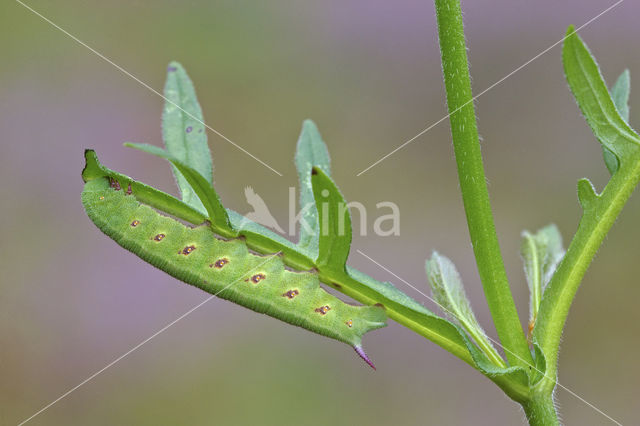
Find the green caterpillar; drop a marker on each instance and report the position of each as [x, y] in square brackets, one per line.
[231, 257]
[125, 210]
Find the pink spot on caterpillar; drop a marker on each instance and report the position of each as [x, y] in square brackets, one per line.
[135, 223]
[172, 69]
[188, 249]
[189, 129]
[219, 263]
[364, 356]
[322, 310]
[129, 190]
[159, 237]
[291, 294]
[114, 184]
[349, 323]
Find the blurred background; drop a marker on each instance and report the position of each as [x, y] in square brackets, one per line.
[368, 73]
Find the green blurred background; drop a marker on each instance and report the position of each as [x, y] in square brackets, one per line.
[368, 73]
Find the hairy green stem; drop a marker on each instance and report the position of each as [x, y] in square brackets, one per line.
[473, 184]
[559, 294]
[540, 411]
[350, 287]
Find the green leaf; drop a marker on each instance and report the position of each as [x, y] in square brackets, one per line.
[184, 133]
[447, 289]
[595, 102]
[620, 95]
[311, 151]
[335, 222]
[541, 254]
[407, 311]
[203, 189]
[600, 210]
[540, 363]
[610, 160]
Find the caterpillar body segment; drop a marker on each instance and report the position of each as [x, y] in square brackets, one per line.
[226, 268]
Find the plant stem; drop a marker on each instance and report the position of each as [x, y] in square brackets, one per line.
[475, 194]
[594, 226]
[350, 287]
[540, 411]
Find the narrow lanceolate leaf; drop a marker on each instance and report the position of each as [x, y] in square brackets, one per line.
[594, 100]
[183, 131]
[310, 152]
[600, 210]
[201, 187]
[541, 253]
[620, 95]
[449, 293]
[335, 222]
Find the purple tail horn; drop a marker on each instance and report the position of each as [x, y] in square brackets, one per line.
[364, 356]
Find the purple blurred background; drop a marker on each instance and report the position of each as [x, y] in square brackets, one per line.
[368, 73]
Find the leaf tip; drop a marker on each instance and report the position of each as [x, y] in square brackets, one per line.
[309, 124]
[626, 74]
[570, 38]
[436, 259]
[311, 150]
[174, 66]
